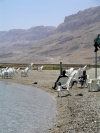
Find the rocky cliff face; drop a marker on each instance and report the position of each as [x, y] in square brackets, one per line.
[80, 20]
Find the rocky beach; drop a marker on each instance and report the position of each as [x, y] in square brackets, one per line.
[76, 114]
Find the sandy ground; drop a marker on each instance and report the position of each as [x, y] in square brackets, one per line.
[76, 114]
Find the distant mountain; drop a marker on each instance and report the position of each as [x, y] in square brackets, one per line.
[35, 33]
[80, 20]
[70, 42]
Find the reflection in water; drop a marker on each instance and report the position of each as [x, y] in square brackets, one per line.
[25, 110]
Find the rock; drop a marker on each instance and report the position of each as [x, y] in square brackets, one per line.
[35, 83]
[80, 94]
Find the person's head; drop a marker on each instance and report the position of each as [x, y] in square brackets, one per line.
[64, 72]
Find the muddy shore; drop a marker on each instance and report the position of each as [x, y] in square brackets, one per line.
[76, 114]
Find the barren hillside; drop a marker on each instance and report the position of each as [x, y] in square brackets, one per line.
[70, 42]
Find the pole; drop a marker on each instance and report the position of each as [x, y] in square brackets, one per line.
[60, 68]
[96, 65]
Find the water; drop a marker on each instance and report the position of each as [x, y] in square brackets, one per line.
[25, 110]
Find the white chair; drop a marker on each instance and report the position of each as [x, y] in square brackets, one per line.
[24, 73]
[69, 71]
[67, 85]
[94, 85]
[40, 68]
[80, 71]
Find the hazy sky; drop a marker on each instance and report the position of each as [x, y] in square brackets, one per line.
[24, 14]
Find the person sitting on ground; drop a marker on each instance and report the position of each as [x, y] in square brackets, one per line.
[83, 78]
[62, 75]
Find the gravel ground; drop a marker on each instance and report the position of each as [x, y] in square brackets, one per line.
[79, 114]
[76, 114]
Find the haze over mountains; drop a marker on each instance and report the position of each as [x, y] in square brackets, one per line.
[70, 42]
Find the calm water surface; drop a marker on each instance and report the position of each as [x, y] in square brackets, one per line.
[25, 110]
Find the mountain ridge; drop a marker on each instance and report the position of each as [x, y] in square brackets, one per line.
[70, 42]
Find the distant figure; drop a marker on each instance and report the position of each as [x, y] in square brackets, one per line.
[63, 75]
[83, 78]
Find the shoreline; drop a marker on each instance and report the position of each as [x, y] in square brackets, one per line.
[75, 113]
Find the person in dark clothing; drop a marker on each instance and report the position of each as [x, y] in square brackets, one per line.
[63, 75]
[83, 78]
[73, 82]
